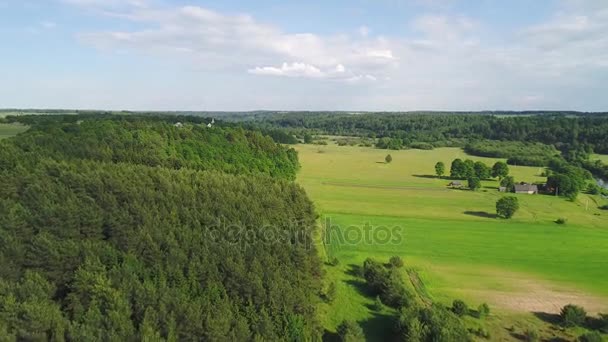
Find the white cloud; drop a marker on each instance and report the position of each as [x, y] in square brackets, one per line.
[218, 40]
[290, 70]
[447, 61]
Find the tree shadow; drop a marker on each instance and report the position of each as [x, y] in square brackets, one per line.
[380, 162]
[379, 327]
[483, 214]
[354, 270]
[329, 336]
[548, 317]
[490, 187]
[427, 176]
[360, 286]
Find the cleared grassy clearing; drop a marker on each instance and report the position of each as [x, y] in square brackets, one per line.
[9, 130]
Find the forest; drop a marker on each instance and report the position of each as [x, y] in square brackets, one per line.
[120, 230]
[558, 129]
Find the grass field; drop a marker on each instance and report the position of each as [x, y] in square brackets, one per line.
[451, 239]
[9, 130]
[602, 157]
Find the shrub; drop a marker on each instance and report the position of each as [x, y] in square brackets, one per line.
[561, 220]
[388, 158]
[332, 291]
[572, 315]
[531, 335]
[604, 207]
[350, 331]
[593, 189]
[483, 310]
[377, 304]
[334, 261]
[421, 146]
[603, 323]
[460, 308]
[482, 332]
[507, 206]
[593, 336]
[396, 261]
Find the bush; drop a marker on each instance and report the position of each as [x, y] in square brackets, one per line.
[572, 315]
[482, 332]
[603, 323]
[483, 310]
[396, 261]
[460, 308]
[388, 158]
[507, 206]
[421, 146]
[593, 189]
[350, 331]
[561, 220]
[604, 207]
[332, 292]
[593, 336]
[531, 335]
[334, 261]
[378, 304]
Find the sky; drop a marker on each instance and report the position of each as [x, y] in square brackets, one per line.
[352, 55]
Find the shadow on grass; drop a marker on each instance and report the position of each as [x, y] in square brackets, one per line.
[426, 176]
[354, 270]
[483, 214]
[548, 317]
[360, 286]
[490, 187]
[379, 327]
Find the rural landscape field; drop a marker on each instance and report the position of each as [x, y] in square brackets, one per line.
[452, 244]
[304, 171]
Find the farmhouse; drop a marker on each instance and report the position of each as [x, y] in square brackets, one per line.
[525, 188]
[455, 184]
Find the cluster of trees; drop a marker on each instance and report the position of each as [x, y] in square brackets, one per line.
[470, 169]
[117, 230]
[387, 283]
[415, 322]
[566, 179]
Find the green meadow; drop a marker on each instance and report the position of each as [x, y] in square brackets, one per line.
[451, 242]
[9, 130]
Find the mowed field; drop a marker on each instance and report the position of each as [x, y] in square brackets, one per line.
[450, 240]
[9, 130]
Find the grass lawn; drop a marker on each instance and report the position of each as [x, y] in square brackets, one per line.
[451, 238]
[9, 130]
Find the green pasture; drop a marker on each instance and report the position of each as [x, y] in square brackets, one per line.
[9, 130]
[450, 237]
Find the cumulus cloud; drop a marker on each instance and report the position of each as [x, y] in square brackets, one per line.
[238, 40]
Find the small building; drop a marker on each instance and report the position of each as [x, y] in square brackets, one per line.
[455, 184]
[179, 125]
[525, 188]
[502, 189]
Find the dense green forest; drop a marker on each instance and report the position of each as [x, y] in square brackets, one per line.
[116, 230]
[560, 130]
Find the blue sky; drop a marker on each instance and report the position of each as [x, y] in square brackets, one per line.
[304, 55]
